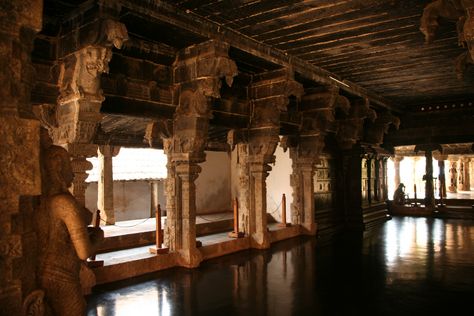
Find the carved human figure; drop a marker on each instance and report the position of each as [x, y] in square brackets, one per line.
[64, 236]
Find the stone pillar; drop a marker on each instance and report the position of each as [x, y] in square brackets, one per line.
[244, 187]
[197, 79]
[20, 174]
[269, 94]
[105, 185]
[466, 185]
[429, 188]
[453, 175]
[442, 175]
[396, 165]
[262, 145]
[304, 157]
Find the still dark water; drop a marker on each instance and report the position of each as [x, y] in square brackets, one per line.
[410, 266]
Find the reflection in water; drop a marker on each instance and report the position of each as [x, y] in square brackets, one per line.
[411, 266]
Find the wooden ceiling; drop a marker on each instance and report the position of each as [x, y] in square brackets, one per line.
[373, 43]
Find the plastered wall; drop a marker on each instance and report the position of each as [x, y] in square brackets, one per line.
[132, 199]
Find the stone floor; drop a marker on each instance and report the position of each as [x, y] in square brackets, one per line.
[410, 266]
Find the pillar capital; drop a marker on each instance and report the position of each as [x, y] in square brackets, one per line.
[350, 128]
[376, 130]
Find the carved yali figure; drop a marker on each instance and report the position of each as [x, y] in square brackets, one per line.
[64, 236]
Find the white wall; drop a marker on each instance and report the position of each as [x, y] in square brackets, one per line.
[213, 186]
[131, 199]
[278, 182]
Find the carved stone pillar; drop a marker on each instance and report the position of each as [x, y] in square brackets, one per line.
[20, 176]
[262, 145]
[270, 94]
[442, 175]
[105, 185]
[453, 175]
[466, 185]
[429, 187]
[304, 157]
[197, 73]
[80, 165]
[428, 177]
[78, 107]
[396, 165]
[244, 187]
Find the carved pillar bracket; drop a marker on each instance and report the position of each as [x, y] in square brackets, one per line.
[376, 130]
[78, 108]
[198, 71]
[350, 128]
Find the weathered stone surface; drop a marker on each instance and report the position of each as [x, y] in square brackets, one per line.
[64, 238]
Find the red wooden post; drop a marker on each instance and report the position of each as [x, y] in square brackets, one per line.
[283, 212]
[159, 235]
[235, 233]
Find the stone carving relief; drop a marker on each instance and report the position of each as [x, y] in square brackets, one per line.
[79, 76]
[459, 11]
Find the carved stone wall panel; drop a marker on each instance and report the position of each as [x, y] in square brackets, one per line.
[20, 143]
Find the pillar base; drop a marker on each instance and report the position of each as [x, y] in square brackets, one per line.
[309, 229]
[158, 251]
[260, 240]
[234, 234]
[189, 258]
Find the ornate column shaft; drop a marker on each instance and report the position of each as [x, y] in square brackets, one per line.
[453, 176]
[105, 186]
[442, 174]
[466, 186]
[244, 187]
[429, 187]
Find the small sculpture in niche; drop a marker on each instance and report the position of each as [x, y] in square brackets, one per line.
[65, 239]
